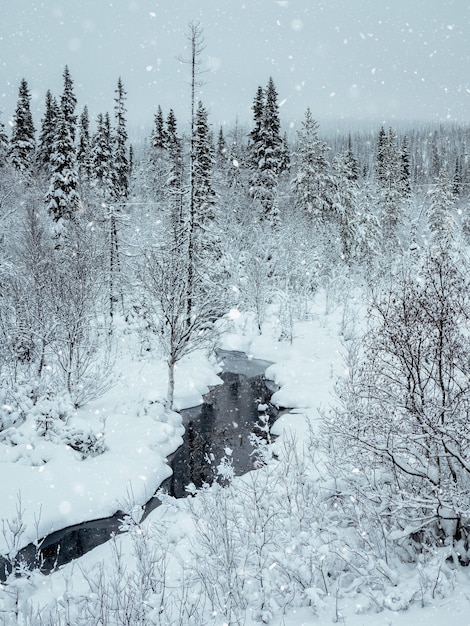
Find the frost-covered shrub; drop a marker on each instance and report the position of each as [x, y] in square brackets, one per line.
[86, 442]
[52, 413]
[55, 421]
[15, 404]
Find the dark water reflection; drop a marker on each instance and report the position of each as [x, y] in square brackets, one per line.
[225, 420]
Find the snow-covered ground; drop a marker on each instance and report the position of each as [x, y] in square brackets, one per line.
[55, 488]
[139, 433]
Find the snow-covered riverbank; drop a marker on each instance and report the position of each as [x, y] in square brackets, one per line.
[305, 371]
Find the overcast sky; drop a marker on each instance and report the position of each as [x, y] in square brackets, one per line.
[348, 60]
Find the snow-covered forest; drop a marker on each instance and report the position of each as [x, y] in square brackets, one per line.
[342, 258]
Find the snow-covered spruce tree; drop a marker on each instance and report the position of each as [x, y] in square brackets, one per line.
[403, 423]
[102, 157]
[367, 238]
[256, 132]
[351, 161]
[457, 180]
[62, 198]
[441, 211]
[267, 150]
[158, 132]
[84, 155]
[381, 157]
[121, 163]
[22, 142]
[106, 187]
[405, 171]
[174, 181]
[158, 155]
[119, 191]
[4, 144]
[312, 184]
[344, 203]
[68, 103]
[203, 218]
[221, 151]
[391, 188]
[47, 134]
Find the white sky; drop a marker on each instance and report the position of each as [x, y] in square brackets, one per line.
[368, 60]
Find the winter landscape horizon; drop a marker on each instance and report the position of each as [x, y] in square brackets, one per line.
[194, 190]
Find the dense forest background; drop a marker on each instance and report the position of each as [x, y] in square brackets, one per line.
[95, 229]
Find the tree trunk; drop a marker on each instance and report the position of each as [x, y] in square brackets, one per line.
[171, 382]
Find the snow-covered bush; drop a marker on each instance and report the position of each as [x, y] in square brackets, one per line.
[56, 422]
[15, 404]
[52, 413]
[84, 441]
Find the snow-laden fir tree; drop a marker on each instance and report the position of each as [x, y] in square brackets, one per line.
[405, 173]
[312, 184]
[203, 232]
[158, 155]
[458, 177]
[441, 211]
[4, 144]
[174, 179]
[204, 194]
[68, 103]
[103, 162]
[256, 131]
[351, 161]
[120, 190]
[267, 152]
[285, 154]
[344, 202]
[221, 151]
[84, 155]
[388, 164]
[102, 156]
[22, 142]
[381, 156]
[121, 163]
[62, 197]
[368, 237]
[47, 134]
[158, 139]
[391, 191]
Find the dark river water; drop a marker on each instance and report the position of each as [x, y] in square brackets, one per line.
[225, 420]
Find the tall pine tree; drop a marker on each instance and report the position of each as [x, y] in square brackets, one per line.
[267, 152]
[22, 143]
[68, 103]
[174, 179]
[47, 134]
[102, 157]
[3, 144]
[312, 184]
[158, 155]
[62, 197]
[204, 194]
[441, 212]
[84, 156]
[121, 163]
